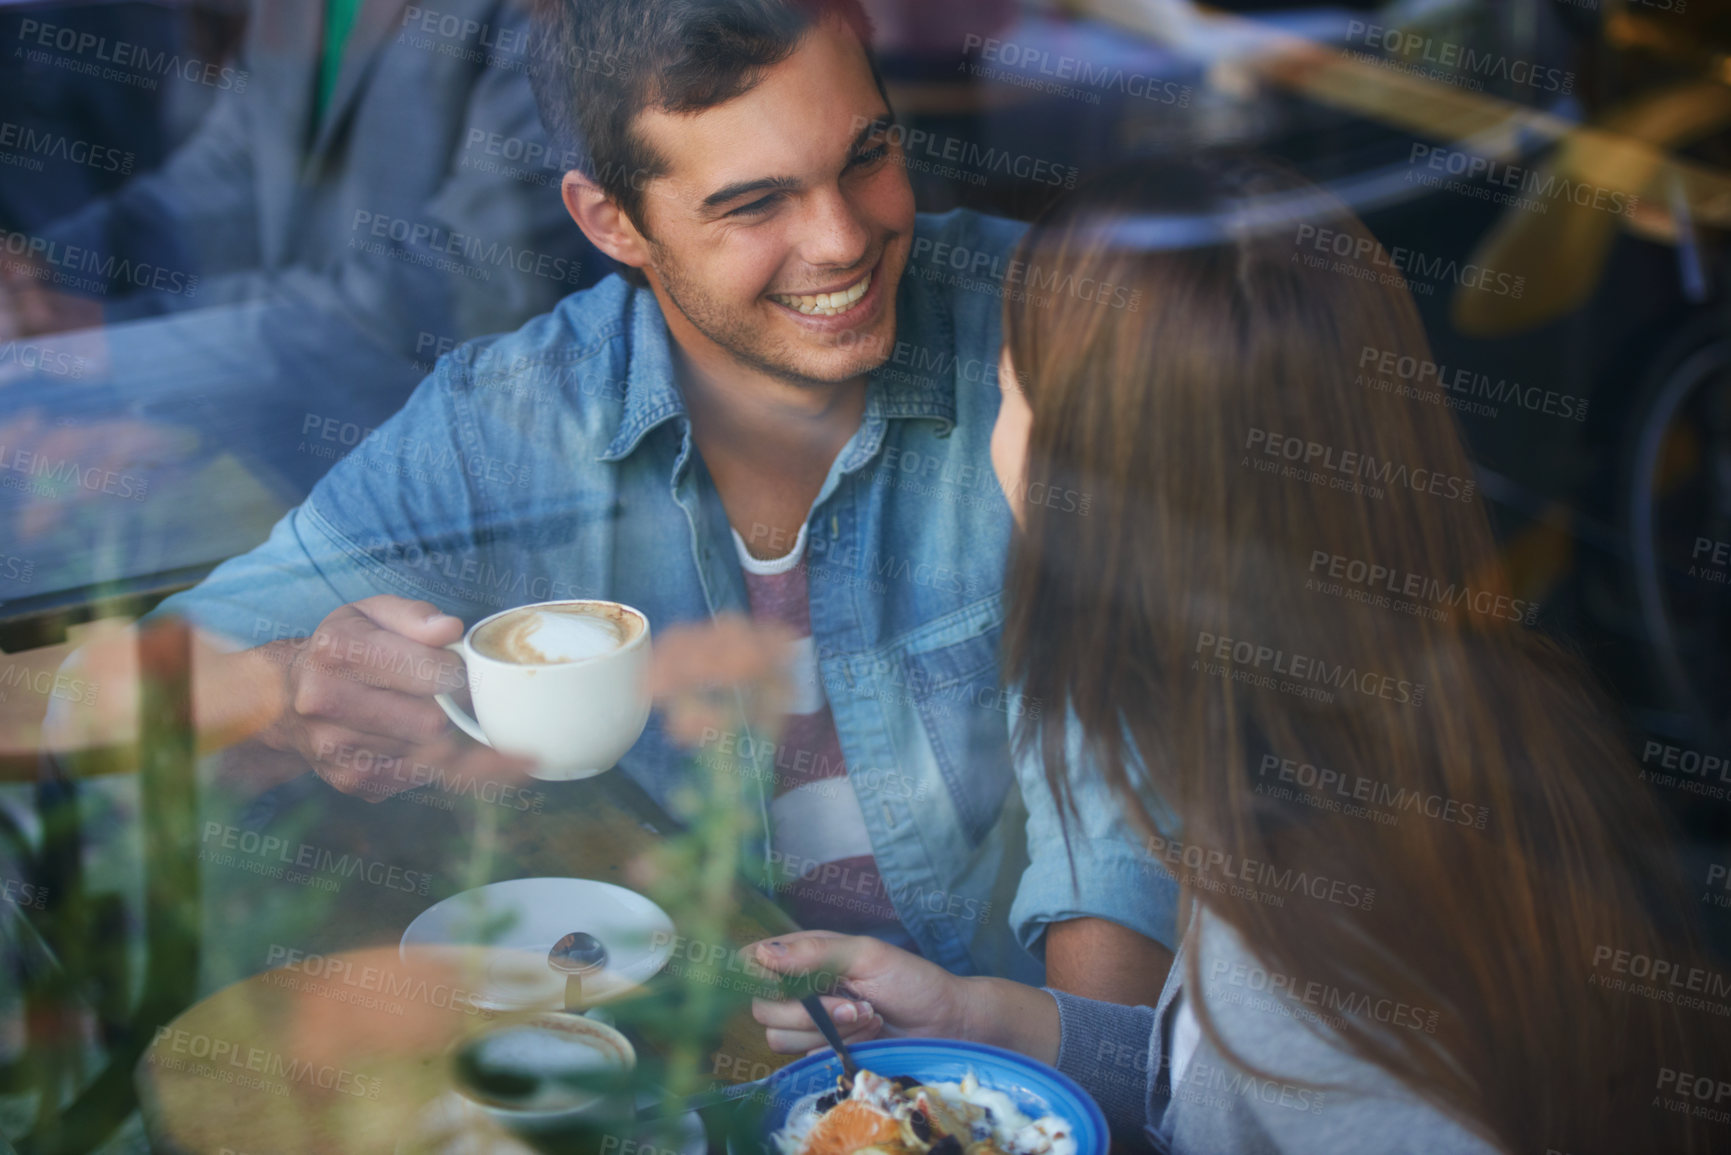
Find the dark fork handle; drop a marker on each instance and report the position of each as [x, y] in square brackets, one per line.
[814, 1007]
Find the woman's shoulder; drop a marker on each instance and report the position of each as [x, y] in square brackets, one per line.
[1307, 1091]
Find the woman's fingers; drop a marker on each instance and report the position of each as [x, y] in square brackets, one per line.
[786, 1042]
[791, 1031]
[805, 951]
[791, 1015]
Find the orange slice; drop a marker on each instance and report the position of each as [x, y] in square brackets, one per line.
[849, 1126]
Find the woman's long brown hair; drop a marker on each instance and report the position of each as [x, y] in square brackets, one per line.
[1208, 610]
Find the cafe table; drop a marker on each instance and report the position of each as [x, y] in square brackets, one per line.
[309, 1054]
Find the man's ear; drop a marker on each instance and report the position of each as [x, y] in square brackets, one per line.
[603, 222]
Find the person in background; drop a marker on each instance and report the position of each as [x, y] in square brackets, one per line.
[1410, 844]
[371, 188]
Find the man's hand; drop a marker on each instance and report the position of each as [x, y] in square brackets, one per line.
[357, 700]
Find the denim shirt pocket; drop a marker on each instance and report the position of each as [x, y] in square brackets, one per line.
[955, 688]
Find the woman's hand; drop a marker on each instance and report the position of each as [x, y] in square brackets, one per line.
[879, 989]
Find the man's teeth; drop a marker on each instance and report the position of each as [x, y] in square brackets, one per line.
[827, 304]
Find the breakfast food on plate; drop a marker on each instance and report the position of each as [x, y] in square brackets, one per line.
[902, 1116]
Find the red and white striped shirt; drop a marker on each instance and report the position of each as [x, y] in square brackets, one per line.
[828, 877]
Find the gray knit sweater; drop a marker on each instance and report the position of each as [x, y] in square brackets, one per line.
[1120, 1055]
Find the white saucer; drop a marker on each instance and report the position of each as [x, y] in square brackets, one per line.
[521, 919]
[452, 1125]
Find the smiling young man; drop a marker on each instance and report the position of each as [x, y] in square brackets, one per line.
[783, 408]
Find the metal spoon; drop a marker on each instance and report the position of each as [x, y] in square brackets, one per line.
[814, 1007]
[576, 955]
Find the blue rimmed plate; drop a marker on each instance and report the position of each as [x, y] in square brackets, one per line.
[1035, 1088]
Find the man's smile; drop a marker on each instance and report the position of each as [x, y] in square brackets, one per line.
[830, 304]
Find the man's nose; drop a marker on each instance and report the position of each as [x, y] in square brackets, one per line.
[836, 233]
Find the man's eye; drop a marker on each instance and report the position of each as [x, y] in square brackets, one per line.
[757, 207]
[870, 156]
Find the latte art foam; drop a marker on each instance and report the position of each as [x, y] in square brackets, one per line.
[548, 636]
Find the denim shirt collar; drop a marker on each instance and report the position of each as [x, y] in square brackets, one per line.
[652, 392]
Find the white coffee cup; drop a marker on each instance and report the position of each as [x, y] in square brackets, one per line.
[575, 718]
[538, 1049]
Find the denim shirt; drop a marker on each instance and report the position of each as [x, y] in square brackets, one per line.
[558, 462]
[1094, 862]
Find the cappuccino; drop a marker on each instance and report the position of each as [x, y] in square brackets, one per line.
[550, 635]
[562, 683]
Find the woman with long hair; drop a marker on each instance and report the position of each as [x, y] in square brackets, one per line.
[1416, 857]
